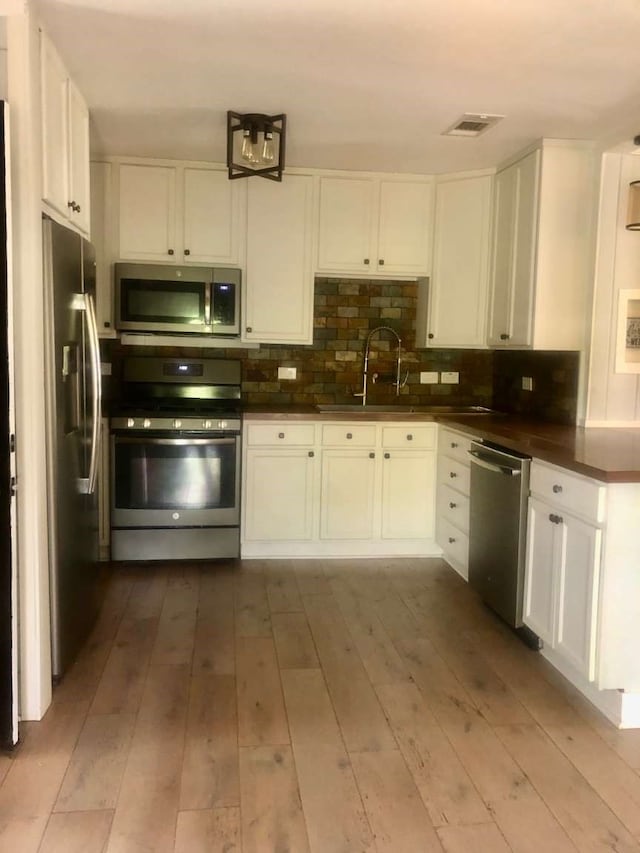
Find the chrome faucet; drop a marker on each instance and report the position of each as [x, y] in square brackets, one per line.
[365, 367]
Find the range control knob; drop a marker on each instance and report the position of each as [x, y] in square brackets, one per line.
[146, 423]
[222, 424]
[131, 422]
[207, 424]
[177, 423]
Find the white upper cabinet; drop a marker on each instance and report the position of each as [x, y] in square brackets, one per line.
[375, 226]
[65, 141]
[101, 212]
[542, 226]
[278, 291]
[452, 306]
[181, 215]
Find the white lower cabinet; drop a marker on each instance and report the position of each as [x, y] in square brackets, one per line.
[338, 488]
[562, 574]
[452, 512]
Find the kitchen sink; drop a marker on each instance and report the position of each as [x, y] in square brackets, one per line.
[354, 408]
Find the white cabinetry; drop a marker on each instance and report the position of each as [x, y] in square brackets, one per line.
[278, 290]
[180, 214]
[372, 493]
[542, 225]
[452, 516]
[375, 226]
[65, 141]
[101, 222]
[452, 306]
[563, 564]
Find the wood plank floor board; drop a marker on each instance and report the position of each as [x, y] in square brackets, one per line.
[210, 765]
[77, 832]
[311, 577]
[476, 838]
[393, 805]
[22, 834]
[208, 831]
[272, 818]
[176, 627]
[283, 593]
[309, 709]
[216, 596]
[261, 716]
[294, 643]
[252, 614]
[147, 592]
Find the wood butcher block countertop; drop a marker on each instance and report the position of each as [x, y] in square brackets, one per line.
[611, 455]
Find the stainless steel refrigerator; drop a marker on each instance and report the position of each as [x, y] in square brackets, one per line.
[73, 422]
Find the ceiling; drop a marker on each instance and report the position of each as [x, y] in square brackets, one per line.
[365, 84]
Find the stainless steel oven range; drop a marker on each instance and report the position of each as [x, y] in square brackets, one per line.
[175, 460]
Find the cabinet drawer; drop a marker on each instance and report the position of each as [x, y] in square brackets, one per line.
[454, 507]
[409, 436]
[280, 434]
[455, 545]
[454, 444]
[563, 489]
[453, 473]
[349, 435]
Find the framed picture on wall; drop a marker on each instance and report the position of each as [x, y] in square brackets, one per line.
[628, 332]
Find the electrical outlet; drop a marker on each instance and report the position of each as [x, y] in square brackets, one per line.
[429, 377]
[527, 383]
[287, 372]
[105, 368]
[449, 377]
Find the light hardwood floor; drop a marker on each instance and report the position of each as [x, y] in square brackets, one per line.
[324, 706]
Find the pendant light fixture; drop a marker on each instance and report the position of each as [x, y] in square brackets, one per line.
[255, 145]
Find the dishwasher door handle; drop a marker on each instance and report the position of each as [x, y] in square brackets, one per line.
[476, 459]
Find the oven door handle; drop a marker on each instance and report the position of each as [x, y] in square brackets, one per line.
[178, 442]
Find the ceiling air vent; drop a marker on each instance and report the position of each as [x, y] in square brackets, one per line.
[472, 124]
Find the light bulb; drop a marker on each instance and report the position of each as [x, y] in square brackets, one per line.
[247, 147]
[268, 148]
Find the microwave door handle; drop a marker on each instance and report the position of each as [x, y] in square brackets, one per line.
[207, 303]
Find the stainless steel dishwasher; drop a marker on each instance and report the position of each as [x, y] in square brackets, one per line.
[498, 529]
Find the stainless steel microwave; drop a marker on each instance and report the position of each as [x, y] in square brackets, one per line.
[186, 300]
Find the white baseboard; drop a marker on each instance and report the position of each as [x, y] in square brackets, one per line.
[355, 548]
[612, 424]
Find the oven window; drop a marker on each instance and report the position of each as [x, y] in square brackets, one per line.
[162, 475]
[162, 301]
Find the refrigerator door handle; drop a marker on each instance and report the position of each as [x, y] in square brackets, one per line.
[84, 302]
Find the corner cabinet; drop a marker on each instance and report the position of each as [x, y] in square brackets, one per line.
[544, 205]
[65, 142]
[180, 214]
[278, 286]
[375, 226]
[452, 305]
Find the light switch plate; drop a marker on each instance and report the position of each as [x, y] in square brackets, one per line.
[287, 372]
[527, 383]
[429, 377]
[105, 368]
[449, 377]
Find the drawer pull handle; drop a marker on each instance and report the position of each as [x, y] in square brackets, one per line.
[452, 505]
[387, 456]
[349, 435]
[454, 444]
[504, 337]
[311, 453]
[409, 437]
[372, 456]
[556, 489]
[451, 540]
[280, 435]
[452, 474]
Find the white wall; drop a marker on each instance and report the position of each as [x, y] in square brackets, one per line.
[3, 59]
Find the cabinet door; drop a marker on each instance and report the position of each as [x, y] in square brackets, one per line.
[101, 174]
[211, 217]
[279, 275]
[504, 213]
[347, 225]
[408, 494]
[147, 214]
[278, 495]
[539, 585]
[78, 159]
[55, 128]
[404, 229]
[525, 250]
[347, 494]
[578, 577]
[459, 281]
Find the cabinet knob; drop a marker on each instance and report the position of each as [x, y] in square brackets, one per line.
[452, 505]
[451, 540]
[556, 489]
[280, 435]
[453, 475]
[387, 456]
[71, 204]
[555, 519]
[187, 251]
[454, 444]
[381, 262]
[504, 337]
[349, 435]
[366, 262]
[170, 252]
[311, 453]
[409, 437]
[430, 336]
[249, 329]
[372, 456]
[77, 208]
[107, 324]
